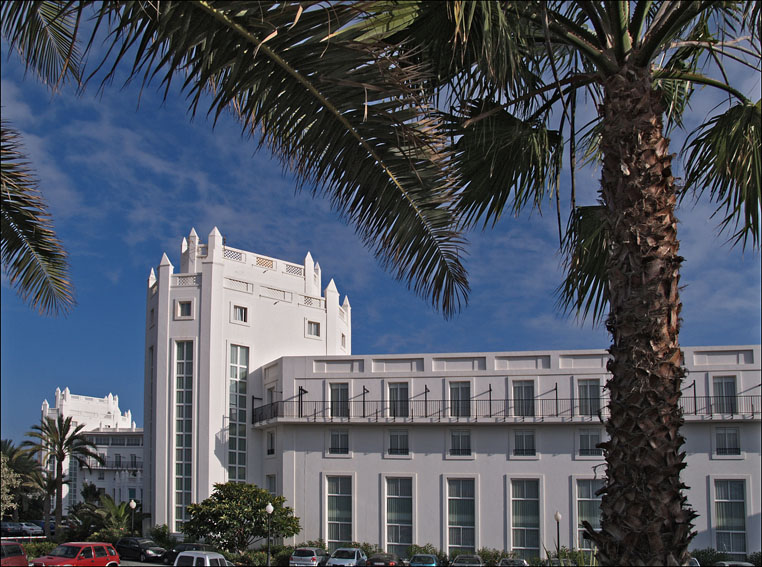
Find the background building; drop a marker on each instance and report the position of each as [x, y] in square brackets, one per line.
[458, 450]
[118, 441]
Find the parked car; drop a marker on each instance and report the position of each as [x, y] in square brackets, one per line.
[513, 562]
[693, 562]
[41, 523]
[467, 561]
[424, 560]
[86, 553]
[169, 557]
[384, 560]
[348, 556]
[11, 529]
[303, 556]
[140, 548]
[31, 529]
[12, 554]
[732, 563]
[205, 558]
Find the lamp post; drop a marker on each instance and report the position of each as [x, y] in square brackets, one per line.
[133, 505]
[558, 517]
[269, 509]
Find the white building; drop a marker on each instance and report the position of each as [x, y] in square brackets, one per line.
[461, 451]
[117, 439]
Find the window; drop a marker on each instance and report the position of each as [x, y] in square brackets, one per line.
[240, 314]
[460, 399]
[339, 442]
[727, 441]
[588, 439]
[183, 430]
[588, 509]
[271, 442]
[184, 309]
[730, 511]
[340, 400]
[523, 443]
[101, 474]
[271, 484]
[339, 511]
[461, 515]
[313, 329]
[398, 442]
[523, 397]
[589, 397]
[460, 442]
[399, 515]
[132, 493]
[237, 386]
[725, 394]
[133, 462]
[525, 518]
[118, 461]
[398, 400]
[343, 340]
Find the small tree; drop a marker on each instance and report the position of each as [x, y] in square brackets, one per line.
[9, 481]
[234, 517]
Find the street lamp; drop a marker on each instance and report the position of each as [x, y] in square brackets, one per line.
[269, 509]
[133, 505]
[558, 517]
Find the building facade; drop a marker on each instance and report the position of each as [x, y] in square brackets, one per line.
[461, 451]
[118, 441]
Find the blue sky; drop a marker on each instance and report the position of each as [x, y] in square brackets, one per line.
[125, 183]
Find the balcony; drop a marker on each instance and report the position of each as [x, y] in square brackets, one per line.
[494, 411]
[114, 464]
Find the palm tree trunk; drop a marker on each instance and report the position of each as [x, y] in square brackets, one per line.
[644, 516]
[59, 491]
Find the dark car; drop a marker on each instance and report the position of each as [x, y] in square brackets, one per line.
[424, 560]
[140, 548]
[12, 554]
[11, 529]
[384, 560]
[169, 557]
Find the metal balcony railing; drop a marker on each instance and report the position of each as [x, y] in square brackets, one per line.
[473, 410]
[124, 464]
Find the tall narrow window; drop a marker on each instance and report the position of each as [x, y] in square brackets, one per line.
[460, 442]
[398, 400]
[460, 399]
[730, 508]
[339, 442]
[339, 511]
[399, 515]
[461, 515]
[271, 484]
[340, 400]
[398, 442]
[588, 509]
[271, 442]
[183, 431]
[726, 441]
[589, 397]
[525, 516]
[239, 372]
[523, 396]
[725, 400]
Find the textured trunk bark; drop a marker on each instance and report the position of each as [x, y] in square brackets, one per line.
[59, 492]
[645, 519]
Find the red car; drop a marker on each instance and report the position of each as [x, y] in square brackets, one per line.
[87, 553]
[12, 554]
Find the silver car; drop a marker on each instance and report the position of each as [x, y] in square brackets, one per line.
[348, 557]
[308, 556]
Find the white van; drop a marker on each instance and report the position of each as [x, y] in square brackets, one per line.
[202, 558]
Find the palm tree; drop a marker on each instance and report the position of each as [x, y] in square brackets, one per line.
[44, 484]
[21, 463]
[55, 440]
[422, 119]
[115, 516]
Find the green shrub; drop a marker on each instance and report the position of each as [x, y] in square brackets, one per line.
[492, 556]
[708, 556]
[313, 543]
[248, 557]
[161, 535]
[39, 548]
[108, 535]
[755, 558]
[368, 548]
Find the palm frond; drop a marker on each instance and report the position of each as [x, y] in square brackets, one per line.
[45, 34]
[340, 113]
[584, 248]
[504, 163]
[725, 156]
[31, 253]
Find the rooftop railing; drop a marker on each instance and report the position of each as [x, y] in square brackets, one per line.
[474, 410]
[124, 464]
